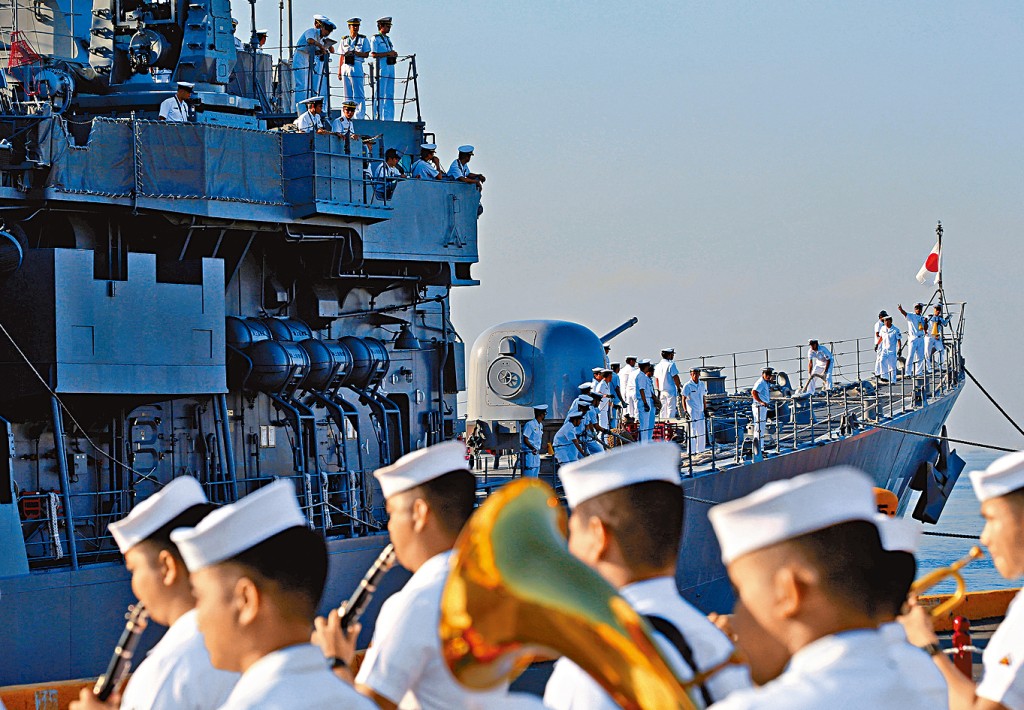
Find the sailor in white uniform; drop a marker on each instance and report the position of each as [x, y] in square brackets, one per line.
[429, 495]
[667, 384]
[533, 435]
[934, 351]
[1000, 488]
[603, 389]
[566, 442]
[890, 343]
[177, 109]
[308, 62]
[917, 328]
[626, 375]
[896, 572]
[386, 174]
[590, 428]
[618, 400]
[802, 555]
[820, 366]
[355, 48]
[694, 395]
[427, 166]
[459, 169]
[879, 324]
[177, 672]
[258, 573]
[646, 410]
[384, 54]
[312, 120]
[627, 514]
[239, 44]
[761, 397]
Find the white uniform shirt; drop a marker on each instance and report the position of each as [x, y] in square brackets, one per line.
[605, 390]
[935, 324]
[355, 44]
[627, 374]
[565, 450]
[763, 390]
[1003, 681]
[818, 358]
[458, 169]
[916, 326]
[532, 434]
[174, 111]
[304, 50]
[177, 673]
[878, 326]
[694, 392]
[404, 662]
[310, 122]
[571, 688]
[847, 671]
[890, 337]
[663, 373]
[642, 383]
[382, 43]
[916, 666]
[616, 386]
[296, 676]
[343, 125]
[422, 169]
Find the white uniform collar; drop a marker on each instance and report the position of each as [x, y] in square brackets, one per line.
[285, 661]
[436, 566]
[892, 632]
[184, 628]
[822, 653]
[636, 592]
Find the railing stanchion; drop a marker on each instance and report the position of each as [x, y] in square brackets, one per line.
[738, 441]
[711, 423]
[735, 376]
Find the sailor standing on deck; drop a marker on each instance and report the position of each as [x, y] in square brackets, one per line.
[1000, 488]
[603, 389]
[177, 673]
[879, 324]
[307, 62]
[761, 397]
[889, 344]
[695, 393]
[933, 347]
[429, 495]
[917, 328]
[312, 119]
[354, 48]
[258, 573]
[667, 384]
[645, 401]
[617, 398]
[626, 378]
[626, 522]
[533, 434]
[819, 366]
[566, 443]
[802, 554]
[384, 54]
[177, 109]
[893, 579]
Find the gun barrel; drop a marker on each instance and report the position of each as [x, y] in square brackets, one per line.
[617, 331]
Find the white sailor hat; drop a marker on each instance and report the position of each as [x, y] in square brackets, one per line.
[349, 104]
[313, 100]
[782, 510]
[235, 528]
[187, 85]
[540, 407]
[897, 534]
[582, 402]
[1004, 475]
[355, 21]
[325, 20]
[645, 361]
[156, 511]
[919, 304]
[573, 412]
[586, 386]
[607, 371]
[260, 33]
[420, 466]
[668, 350]
[617, 468]
[616, 363]
[428, 146]
[631, 357]
[384, 21]
[596, 370]
[466, 149]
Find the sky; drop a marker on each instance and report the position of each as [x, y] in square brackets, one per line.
[735, 174]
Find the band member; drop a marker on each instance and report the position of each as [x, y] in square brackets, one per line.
[802, 556]
[258, 573]
[429, 495]
[1000, 488]
[626, 522]
[177, 673]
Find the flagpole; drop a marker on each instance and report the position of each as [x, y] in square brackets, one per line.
[938, 233]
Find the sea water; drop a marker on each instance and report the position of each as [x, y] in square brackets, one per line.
[961, 516]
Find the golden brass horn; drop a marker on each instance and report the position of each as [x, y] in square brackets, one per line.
[932, 578]
[514, 593]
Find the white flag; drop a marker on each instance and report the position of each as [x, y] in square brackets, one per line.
[932, 265]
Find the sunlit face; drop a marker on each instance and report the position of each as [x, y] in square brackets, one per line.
[143, 562]
[401, 526]
[217, 613]
[753, 618]
[1004, 534]
[694, 376]
[582, 542]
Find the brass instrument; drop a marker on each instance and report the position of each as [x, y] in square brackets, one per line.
[932, 578]
[514, 593]
[121, 662]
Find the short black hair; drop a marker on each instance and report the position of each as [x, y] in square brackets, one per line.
[451, 497]
[160, 539]
[1016, 496]
[295, 560]
[896, 572]
[646, 519]
[847, 557]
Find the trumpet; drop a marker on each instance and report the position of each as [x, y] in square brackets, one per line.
[932, 578]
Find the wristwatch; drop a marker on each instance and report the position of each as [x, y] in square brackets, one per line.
[335, 662]
[932, 649]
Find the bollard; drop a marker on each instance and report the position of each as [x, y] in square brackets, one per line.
[962, 657]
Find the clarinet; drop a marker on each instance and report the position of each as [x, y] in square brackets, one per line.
[353, 609]
[121, 661]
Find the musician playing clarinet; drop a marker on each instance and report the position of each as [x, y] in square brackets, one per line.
[177, 673]
[429, 496]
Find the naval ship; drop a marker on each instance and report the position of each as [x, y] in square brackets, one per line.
[236, 301]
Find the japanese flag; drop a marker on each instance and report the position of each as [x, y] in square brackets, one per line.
[932, 265]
